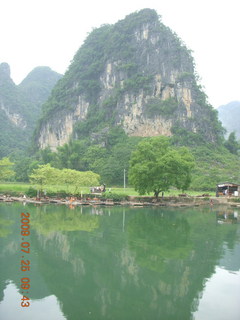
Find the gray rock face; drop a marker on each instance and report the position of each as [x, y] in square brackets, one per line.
[144, 79]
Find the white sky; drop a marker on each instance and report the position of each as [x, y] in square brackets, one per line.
[49, 32]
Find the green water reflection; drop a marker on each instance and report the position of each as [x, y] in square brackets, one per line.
[119, 263]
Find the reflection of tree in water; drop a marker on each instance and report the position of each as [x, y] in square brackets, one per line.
[153, 268]
[158, 266]
[6, 246]
[10, 254]
[63, 219]
[88, 269]
[183, 248]
[5, 227]
[156, 239]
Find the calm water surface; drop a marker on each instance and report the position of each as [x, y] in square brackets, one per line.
[121, 263]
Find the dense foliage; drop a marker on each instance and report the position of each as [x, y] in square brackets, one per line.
[214, 166]
[214, 163]
[6, 171]
[46, 175]
[12, 139]
[232, 144]
[155, 166]
[161, 107]
[108, 159]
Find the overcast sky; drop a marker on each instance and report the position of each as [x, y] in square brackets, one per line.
[49, 32]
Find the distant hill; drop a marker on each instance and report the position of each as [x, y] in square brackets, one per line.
[38, 84]
[229, 115]
[20, 105]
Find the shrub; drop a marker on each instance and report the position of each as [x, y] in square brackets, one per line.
[114, 196]
[31, 192]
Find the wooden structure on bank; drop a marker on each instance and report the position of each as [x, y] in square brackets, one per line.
[228, 189]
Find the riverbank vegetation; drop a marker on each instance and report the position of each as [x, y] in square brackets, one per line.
[18, 189]
[155, 166]
[213, 164]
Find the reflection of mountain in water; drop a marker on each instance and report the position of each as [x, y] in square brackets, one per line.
[11, 255]
[121, 263]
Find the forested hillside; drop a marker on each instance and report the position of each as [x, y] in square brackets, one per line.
[130, 81]
[21, 106]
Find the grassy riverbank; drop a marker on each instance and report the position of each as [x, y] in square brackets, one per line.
[18, 188]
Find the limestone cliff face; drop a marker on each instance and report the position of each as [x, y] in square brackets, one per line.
[57, 131]
[135, 74]
[15, 118]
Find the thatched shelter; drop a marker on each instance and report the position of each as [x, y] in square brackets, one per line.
[228, 189]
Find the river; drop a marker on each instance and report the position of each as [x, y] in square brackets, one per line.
[86, 262]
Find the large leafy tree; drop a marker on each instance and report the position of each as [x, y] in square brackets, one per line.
[78, 179]
[6, 171]
[232, 144]
[45, 175]
[155, 166]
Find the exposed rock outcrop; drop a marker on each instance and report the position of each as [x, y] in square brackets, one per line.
[136, 74]
[57, 132]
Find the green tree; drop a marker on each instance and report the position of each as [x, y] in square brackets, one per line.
[6, 170]
[70, 156]
[118, 160]
[155, 166]
[23, 167]
[78, 179]
[95, 157]
[45, 175]
[232, 144]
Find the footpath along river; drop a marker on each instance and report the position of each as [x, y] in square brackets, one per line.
[98, 262]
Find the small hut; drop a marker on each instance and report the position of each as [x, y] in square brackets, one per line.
[228, 189]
